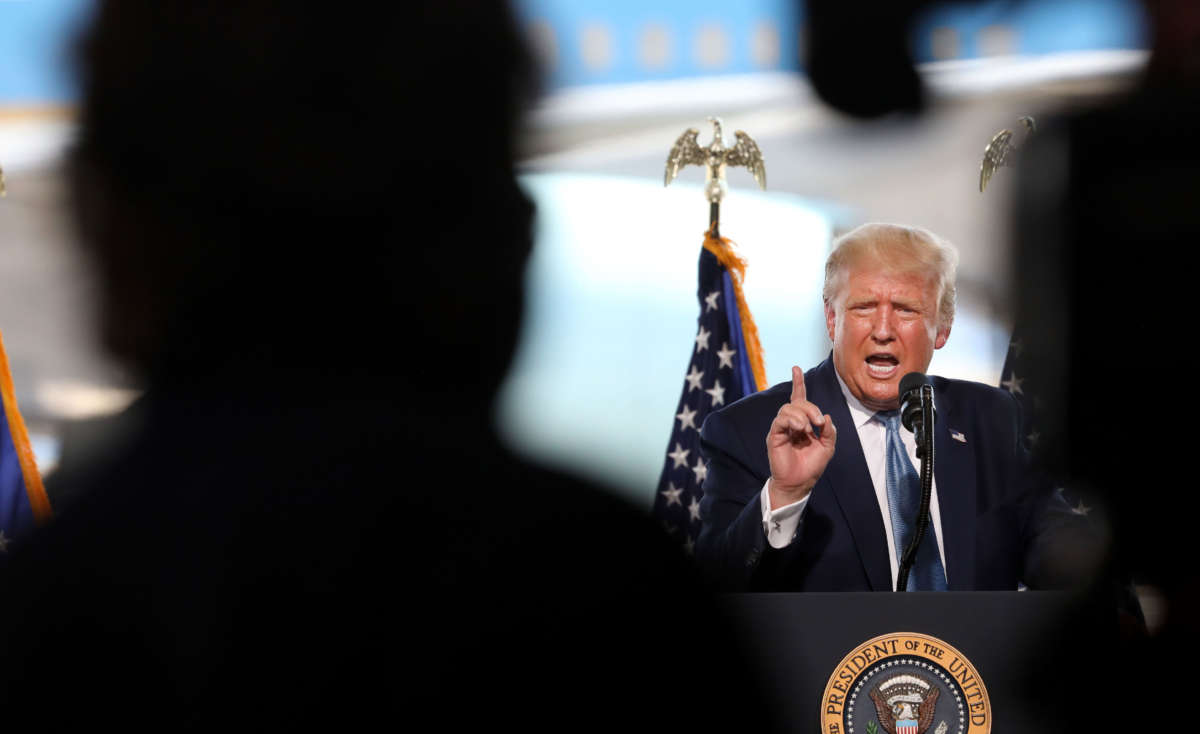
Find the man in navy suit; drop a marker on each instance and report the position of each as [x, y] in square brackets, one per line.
[817, 510]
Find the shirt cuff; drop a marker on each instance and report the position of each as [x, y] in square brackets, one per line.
[780, 525]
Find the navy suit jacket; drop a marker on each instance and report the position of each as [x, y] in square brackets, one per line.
[999, 525]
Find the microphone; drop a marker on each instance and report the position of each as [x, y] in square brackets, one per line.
[917, 415]
[911, 414]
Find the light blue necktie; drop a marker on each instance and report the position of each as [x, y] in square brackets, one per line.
[904, 501]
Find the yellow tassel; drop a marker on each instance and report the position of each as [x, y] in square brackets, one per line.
[38, 499]
[722, 249]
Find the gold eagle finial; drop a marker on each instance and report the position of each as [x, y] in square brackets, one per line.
[715, 158]
[1002, 150]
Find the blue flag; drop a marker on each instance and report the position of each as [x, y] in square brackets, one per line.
[726, 365]
[23, 500]
[1011, 379]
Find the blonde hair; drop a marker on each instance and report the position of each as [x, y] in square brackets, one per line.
[898, 248]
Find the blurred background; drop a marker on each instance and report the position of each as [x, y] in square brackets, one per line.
[612, 306]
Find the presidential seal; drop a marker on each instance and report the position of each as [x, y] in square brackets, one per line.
[905, 683]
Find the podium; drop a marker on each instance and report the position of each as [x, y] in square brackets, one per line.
[1035, 652]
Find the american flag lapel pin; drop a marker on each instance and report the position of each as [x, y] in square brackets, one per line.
[958, 436]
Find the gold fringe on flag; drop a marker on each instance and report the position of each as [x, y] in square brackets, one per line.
[722, 249]
[38, 500]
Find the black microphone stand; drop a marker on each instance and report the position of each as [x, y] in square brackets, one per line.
[924, 435]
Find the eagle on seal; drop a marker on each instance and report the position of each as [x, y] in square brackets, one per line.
[905, 704]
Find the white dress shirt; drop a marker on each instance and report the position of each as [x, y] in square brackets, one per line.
[782, 525]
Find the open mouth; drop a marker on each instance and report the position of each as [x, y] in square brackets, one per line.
[883, 365]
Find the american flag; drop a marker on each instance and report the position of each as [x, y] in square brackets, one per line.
[23, 500]
[726, 365]
[1014, 377]
[1012, 381]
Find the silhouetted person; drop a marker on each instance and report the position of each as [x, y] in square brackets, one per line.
[1106, 218]
[311, 244]
[860, 60]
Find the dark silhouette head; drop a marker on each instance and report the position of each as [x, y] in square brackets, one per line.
[262, 183]
[862, 66]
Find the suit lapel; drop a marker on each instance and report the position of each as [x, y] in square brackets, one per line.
[849, 479]
[954, 469]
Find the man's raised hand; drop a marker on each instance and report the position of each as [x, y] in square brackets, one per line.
[798, 456]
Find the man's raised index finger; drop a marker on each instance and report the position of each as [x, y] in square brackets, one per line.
[798, 391]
